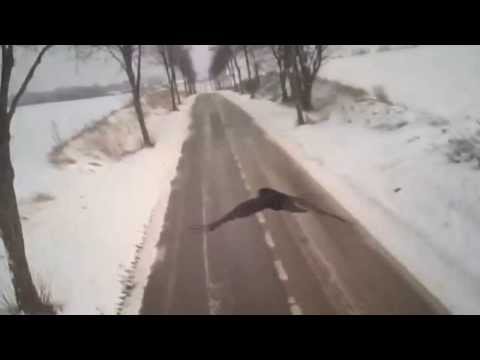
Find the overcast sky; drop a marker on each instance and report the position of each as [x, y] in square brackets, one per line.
[201, 60]
[59, 69]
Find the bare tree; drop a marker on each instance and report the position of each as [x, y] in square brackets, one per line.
[310, 59]
[237, 67]
[185, 65]
[222, 55]
[11, 232]
[231, 71]
[172, 51]
[162, 50]
[278, 52]
[185, 86]
[125, 55]
[293, 73]
[250, 88]
[255, 67]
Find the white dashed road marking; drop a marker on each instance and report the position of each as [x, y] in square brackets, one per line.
[295, 309]
[212, 303]
[261, 218]
[269, 240]
[282, 274]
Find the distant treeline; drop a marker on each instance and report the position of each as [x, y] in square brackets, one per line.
[78, 92]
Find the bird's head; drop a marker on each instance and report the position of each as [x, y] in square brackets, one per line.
[266, 191]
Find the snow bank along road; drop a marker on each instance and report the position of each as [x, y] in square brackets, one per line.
[271, 262]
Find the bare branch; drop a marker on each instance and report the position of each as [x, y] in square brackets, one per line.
[326, 58]
[275, 52]
[112, 52]
[26, 81]
[222, 55]
[316, 59]
[319, 58]
[300, 51]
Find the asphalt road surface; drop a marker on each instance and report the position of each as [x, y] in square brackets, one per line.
[273, 262]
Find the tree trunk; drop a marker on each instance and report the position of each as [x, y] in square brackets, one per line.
[169, 78]
[173, 74]
[282, 72]
[239, 73]
[232, 74]
[175, 85]
[307, 78]
[299, 77]
[137, 104]
[295, 82]
[298, 106]
[11, 232]
[139, 111]
[26, 294]
[247, 64]
[255, 68]
[283, 85]
[307, 95]
[257, 76]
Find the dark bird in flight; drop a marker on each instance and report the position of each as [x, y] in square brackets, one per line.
[268, 199]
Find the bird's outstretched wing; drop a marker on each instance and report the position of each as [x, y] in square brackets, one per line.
[311, 206]
[199, 228]
[242, 210]
[292, 205]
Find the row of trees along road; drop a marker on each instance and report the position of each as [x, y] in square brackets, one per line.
[226, 60]
[130, 59]
[177, 56]
[297, 67]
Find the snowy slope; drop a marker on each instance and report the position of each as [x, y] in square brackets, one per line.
[388, 164]
[441, 79]
[34, 131]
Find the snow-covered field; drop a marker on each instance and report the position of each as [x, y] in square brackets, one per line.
[267, 62]
[440, 79]
[35, 129]
[389, 164]
[359, 50]
[81, 238]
